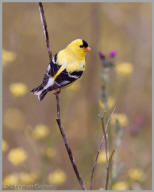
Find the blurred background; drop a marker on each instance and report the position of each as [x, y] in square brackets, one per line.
[33, 149]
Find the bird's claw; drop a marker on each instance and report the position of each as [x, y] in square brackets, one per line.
[57, 91]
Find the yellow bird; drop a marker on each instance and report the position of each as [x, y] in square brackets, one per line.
[65, 67]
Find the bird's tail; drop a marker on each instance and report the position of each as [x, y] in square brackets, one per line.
[39, 91]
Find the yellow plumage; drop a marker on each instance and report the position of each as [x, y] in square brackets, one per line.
[66, 67]
[72, 58]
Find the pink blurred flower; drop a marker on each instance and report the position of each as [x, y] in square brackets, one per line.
[113, 53]
[102, 55]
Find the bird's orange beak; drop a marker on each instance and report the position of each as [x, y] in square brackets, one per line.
[88, 49]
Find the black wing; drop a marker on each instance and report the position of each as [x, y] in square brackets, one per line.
[65, 78]
[53, 67]
[51, 70]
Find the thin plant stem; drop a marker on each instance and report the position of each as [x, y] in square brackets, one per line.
[44, 24]
[95, 162]
[62, 131]
[108, 161]
[105, 139]
[99, 150]
[108, 170]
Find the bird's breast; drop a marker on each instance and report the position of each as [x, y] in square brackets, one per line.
[75, 66]
[71, 62]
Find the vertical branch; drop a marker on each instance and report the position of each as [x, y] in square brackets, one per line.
[99, 150]
[62, 131]
[58, 107]
[105, 138]
[44, 24]
[108, 161]
[95, 162]
[67, 145]
[108, 170]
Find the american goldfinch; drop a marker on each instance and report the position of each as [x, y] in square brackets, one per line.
[65, 67]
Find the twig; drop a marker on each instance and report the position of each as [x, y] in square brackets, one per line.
[67, 145]
[99, 150]
[44, 24]
[62, 131]
[108, 161]
[108, 170]
[106, 140]
[95, 162]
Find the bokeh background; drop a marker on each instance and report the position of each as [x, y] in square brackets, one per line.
[33, 150]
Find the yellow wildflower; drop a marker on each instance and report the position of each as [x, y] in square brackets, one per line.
[102, 157]
[17, 156]
[7, 56]
[124, 69]
[4, 145]
[110, 103]
[121, 118]
[14, 118]
[136, 174]
[27, 178]
[121, 185]
[40, 132]
[11, 179]
[57, 177]
[50, 152]
[18, 89]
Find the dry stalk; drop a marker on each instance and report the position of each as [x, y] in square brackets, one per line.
[99, 149]
[62, 131]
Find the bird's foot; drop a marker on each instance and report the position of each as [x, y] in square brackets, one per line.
[57, 91]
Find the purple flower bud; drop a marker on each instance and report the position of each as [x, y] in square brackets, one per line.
[102, 55]
[113, 53]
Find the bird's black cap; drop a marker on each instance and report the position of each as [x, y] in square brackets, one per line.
[85, 44]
